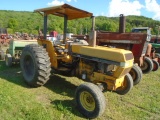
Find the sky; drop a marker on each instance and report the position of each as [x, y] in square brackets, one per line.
[109, 8]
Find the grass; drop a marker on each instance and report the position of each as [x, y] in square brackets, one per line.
[55, 100]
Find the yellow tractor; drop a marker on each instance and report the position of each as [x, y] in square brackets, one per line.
[102, 68]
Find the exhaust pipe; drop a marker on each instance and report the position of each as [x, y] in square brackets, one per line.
[93, 33]
[122, 23]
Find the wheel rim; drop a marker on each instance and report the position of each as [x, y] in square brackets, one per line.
[87, 101]
[144, 66]
[29, 66]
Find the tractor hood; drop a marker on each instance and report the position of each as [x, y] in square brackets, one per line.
[114, 54]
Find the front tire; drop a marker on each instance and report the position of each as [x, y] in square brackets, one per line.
[147, 65]
[155, 65]
[2, 55]
[35, 65]
[8, 60]
[90, 100]
[136, 74]
[126, 86]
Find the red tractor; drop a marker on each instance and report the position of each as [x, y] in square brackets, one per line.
[150, 52]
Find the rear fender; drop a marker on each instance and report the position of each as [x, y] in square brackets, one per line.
[51, 51]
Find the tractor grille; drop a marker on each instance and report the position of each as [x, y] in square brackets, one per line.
[145, 47]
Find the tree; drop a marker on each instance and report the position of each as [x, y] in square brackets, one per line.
[28, 21]
[12, 23]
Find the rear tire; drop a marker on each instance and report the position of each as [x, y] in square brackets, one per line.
[155, 65]
[90, 100]
[136, 74]
[8, 60]
[35, 65]
[147, 65]
[127, 85]
[157, 55]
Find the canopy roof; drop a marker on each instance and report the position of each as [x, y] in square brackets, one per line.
[65, 10]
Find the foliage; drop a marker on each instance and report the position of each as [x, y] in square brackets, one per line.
[31, 22]
[12, 23]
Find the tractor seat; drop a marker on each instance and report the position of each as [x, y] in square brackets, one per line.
[59, 47]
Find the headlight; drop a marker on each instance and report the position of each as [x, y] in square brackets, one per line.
[124, 64]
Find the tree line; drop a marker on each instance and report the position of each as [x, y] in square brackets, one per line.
[30, 22]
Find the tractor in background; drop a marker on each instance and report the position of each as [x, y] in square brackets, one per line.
[151, 50]
[101, 68]
[11, 54]
[14, 51]
[155, 41]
